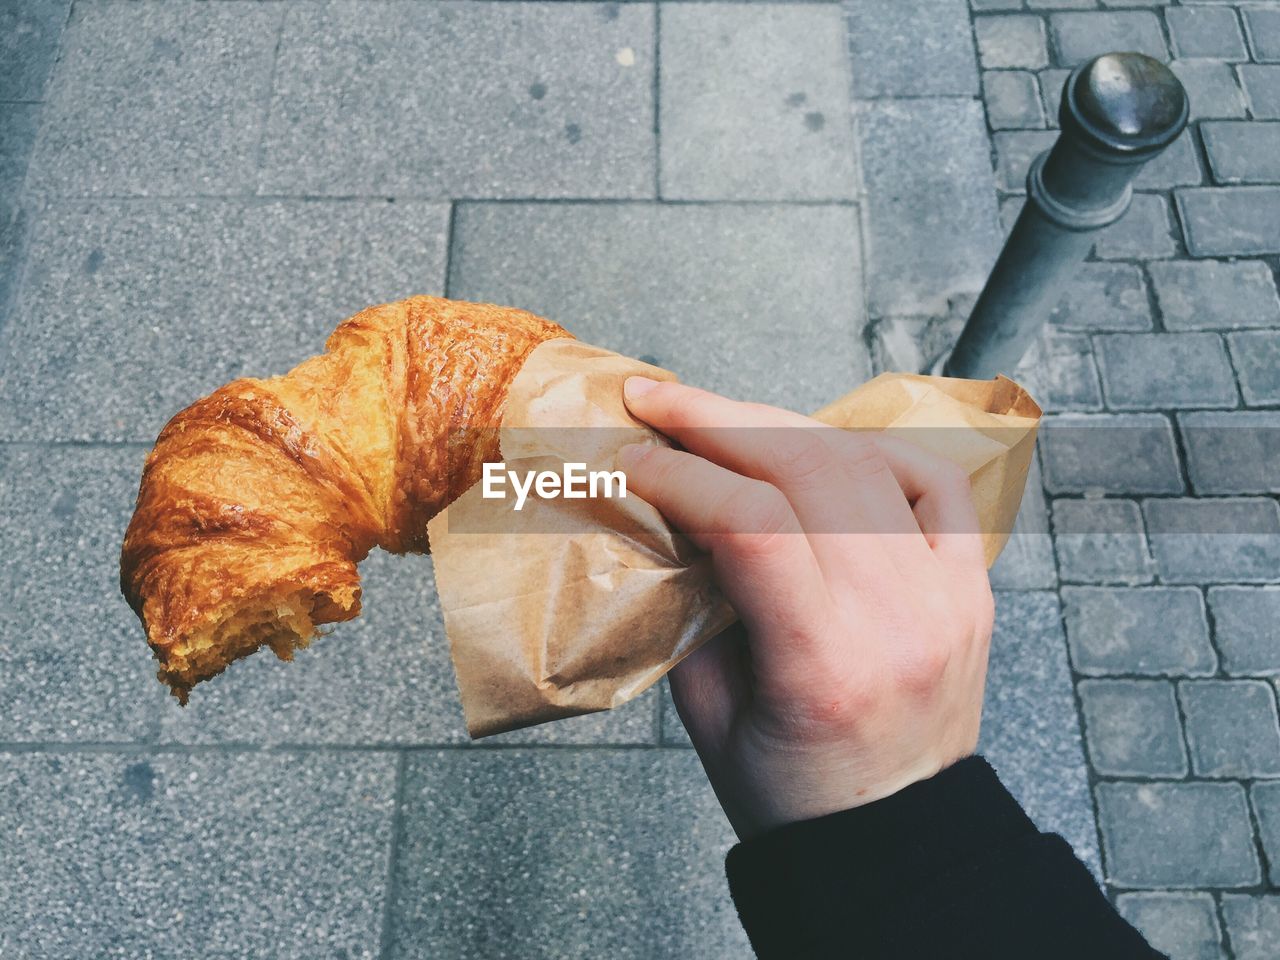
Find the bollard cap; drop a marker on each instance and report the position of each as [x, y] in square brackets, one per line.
[1125, 103]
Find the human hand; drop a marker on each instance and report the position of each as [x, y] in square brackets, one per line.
[855, 565]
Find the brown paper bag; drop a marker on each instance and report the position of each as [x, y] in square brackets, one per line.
[573, 606]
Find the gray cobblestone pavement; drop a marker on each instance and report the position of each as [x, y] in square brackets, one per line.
[775, 200]
[1163, 509]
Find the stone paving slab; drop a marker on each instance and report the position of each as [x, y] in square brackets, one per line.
[158, 98]
[29, 33]
[781, 130]
[760, 302]
[17, 134]
[132, 855]
[911, 48]
[74, 665]
[186, 296]
[932, 229]
[463, 100]
[1030, 730]
[383, 679]
[562, 853]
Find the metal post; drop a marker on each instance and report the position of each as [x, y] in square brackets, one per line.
[1119, 111]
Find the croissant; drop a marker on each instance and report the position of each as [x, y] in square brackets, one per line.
[259, 500]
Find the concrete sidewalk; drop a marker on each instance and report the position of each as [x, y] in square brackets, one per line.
[773, 200]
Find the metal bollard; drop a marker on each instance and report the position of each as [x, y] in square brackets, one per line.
[1119, 111]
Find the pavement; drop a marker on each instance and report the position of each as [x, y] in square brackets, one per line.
[775, 201]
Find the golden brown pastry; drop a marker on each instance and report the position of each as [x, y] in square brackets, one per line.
[259, 500]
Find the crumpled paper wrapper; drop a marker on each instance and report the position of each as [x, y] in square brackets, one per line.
[574, 606]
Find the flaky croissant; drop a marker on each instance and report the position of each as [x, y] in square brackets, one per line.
[259, 500]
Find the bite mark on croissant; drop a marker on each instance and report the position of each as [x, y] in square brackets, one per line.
[259, 500]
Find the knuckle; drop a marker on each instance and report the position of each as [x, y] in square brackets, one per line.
[862, 457]
[756, 516]
[796, 457]
[921, 672]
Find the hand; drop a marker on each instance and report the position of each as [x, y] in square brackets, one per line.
[856, 568]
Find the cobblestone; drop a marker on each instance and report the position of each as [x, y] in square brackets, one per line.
[1209, 294]
[1144, 371]
[1211, 88]
[1011, 41]
[1144, 233]
[1256, 356]
[1132, 728]
[1012, 99]
[1203, 31]
[1232, 728]
[1178, 166]
[1107, 296]
[1262, 89]
[1177, 835]
[1243, 151]
[1214, 541]
[782, 131]
[1120, 454]
[1263, 25]
[1051, 86]
[1160, 631]
[1253, 924]
[1016, 151]
[1061, 372]
[1101, 541]
[1232, 452]
[1266, 804]
[1245, 620]
[1080, 36]
[1231, 221]
[1182, 925]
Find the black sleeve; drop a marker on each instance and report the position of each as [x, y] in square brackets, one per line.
[949, 869]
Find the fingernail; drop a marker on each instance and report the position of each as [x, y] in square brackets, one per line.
[637, 387]
[631, 454]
